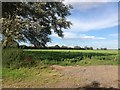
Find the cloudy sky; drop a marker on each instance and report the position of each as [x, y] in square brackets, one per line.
[94, 24]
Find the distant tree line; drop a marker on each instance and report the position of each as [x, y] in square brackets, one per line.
[61, 47]
[101, 48]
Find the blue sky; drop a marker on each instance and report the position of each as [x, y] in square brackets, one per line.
[94, 24]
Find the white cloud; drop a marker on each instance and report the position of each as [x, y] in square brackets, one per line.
[91, 37]
[86, 6]
[104, 17]
[71, 35]
[67, 35]
[95, 24]
[55, 35]
[100, 38]
[114, 35]
[68, 1]
[87, 37]
[83, 6]
[52, 44]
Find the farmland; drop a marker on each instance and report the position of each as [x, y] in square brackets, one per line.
[74, 57]
[36, 69]
[64, 44]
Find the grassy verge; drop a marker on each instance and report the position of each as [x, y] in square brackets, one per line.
[29, 77]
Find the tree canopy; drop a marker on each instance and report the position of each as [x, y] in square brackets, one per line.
[34, 21]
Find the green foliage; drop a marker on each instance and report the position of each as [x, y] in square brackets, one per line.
[34, 21]
[10, 56]
[12, 44]
[15, 58]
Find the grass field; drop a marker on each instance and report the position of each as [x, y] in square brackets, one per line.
[41, 74]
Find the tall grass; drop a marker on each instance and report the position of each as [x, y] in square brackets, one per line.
[15, 58]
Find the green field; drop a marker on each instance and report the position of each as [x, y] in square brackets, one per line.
[74, 57]
[34, 68]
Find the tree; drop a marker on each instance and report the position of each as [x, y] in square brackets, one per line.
[91, 48]
[57, 47]
[86, 48]
[103, 48]
[77, 47]
[64, 47]
[33, 21]
[97, 48]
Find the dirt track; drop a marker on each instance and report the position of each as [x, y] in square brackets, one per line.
[104, 75]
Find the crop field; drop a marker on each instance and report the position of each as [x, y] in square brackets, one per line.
[74, 57]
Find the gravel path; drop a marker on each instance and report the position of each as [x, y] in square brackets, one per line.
[104, 75]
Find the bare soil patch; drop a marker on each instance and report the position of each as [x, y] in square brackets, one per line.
[104, 75]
